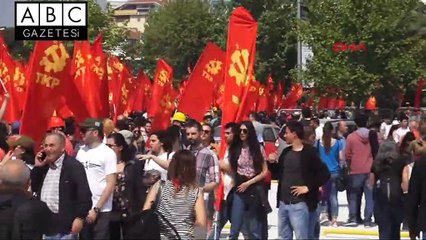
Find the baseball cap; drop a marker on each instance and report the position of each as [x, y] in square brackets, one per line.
[20, 140]
[92, 123]
[128, 136]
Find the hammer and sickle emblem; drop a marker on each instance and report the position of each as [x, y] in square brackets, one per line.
[79, 59]
[239, 66]
[4, 72]
[18, 78]
[261, 91]
[124, 92]
[163, 78]
[53, 60]
[166, 103]
[213, 67]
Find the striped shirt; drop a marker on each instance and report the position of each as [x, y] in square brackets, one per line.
[50, 189]
[178, 210]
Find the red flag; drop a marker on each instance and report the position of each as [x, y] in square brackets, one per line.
[11, 76]
[252, 99]
[161, 106]
[98, 69]
[263, 102]
[341, 103]
[293, 96]
[371, 103]
[207, 73]
[84, 80]
[239, 64]
[114, 68]
[138, 98]
[332, 103]
[418, 97]
[323, 102]
[46, 80]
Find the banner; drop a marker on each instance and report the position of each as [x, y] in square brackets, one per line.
[161, 106]
[47, 78]
[239, 64]
[208, 72]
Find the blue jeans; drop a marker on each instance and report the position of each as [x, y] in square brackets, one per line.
[359, 184]
[223, 219]
[241, 214]
[331, 204]
[314, 224]
[293, 217]
[61, 237]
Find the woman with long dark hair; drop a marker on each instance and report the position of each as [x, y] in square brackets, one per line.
[129, 191]
[331, 153]
[181, 201]
[248, 167]
[387, 177]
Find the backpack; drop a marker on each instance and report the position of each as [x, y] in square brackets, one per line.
[388, 187]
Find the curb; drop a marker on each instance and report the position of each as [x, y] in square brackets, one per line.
[349, 231]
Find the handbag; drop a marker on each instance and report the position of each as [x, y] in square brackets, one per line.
[342, 181]
[146, 224]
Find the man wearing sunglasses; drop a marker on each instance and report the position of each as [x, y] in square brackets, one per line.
[207, 138]
[100, 163]
[207, 164]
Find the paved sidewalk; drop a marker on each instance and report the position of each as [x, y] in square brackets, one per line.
[340, 232]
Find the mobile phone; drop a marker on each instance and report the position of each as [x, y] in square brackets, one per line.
[43, 155]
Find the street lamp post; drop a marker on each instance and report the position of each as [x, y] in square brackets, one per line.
[299, 45]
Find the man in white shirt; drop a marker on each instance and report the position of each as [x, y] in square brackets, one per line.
[399, 133]
[100, 163]
[315, 123]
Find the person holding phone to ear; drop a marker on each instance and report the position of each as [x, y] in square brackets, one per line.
[60, 181]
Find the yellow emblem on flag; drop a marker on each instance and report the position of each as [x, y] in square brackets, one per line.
[213, 67]
[239, 66]
[163, 77]
[53, 60]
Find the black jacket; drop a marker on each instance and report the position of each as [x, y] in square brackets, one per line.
[136, 191]
[417, 197]
[75, 198]
[314, 173]
[22, 217]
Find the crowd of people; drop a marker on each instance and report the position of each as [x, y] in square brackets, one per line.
[92, 180]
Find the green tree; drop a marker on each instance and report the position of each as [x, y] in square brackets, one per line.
[179, 31]
[395, 55]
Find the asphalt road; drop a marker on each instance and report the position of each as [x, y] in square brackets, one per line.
[340, 232]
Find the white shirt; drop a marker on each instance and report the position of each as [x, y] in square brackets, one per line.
[318, 133]
[152, 165]
[50, 189]
[227, 179]
[384, 129]
[98, 163]
[400, 133]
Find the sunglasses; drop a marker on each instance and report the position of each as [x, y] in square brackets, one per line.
[206, 131]
[244, 131]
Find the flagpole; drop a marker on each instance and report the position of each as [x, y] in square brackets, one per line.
[3, 86]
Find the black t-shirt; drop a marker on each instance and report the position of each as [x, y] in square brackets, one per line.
[292, 176]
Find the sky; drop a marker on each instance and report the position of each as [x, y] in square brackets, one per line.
[7, 12]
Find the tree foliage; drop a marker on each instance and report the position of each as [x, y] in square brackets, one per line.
[179, 31]
[395, 55]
